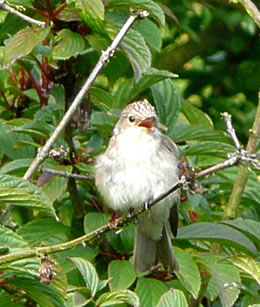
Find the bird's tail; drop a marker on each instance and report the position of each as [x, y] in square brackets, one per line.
[147, 253]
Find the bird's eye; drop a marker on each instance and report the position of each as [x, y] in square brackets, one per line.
[131, 118]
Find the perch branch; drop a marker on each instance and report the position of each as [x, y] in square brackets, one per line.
[11, 10]
[104, 58]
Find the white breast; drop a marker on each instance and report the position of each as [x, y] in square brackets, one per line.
[137, 169]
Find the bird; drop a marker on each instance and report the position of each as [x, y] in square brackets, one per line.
[139, 164]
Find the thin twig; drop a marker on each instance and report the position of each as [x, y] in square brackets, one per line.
[242, 176]
[11, 10]
[231, 130]
[104, 58]
[66, 174]
[252, 10]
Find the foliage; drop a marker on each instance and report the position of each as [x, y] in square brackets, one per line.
[214, 48]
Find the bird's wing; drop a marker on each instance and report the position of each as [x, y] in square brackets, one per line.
[174, 212]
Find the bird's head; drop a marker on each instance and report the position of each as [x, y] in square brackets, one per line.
[138, 114]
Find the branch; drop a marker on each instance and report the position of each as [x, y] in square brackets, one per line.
[104, 58]
[242, 176]
[252, 10]
[66, 174]
[11, 10]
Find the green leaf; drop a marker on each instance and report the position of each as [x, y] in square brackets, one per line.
[150, 77]
[249, 227]
[248, 265]
[23, 42]
[172, 298]
[227, 280]
[122, 242]
[183, 132]
[92, 12]
[209, 148]
[140, 58]
[94, 220]
[121, 274]
[67, 44]
[126, 91]
[12, 240]
[8, 139]
[118, 297]
[60, 282]
[44, 231]
[150, 33]
[44, 295]
[195, 116]
[102, 98]
[151, 7]
[20, 192]
[88, 272]
[188, 274]
[217, 233]
[18, 166]
[149, 291]
[167, 101]
[56, 186]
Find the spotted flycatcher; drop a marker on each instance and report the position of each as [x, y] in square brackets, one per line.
[139, 164]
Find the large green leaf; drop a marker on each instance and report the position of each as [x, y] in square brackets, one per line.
[227, 279]
[150, 33]
[149, 291]
[56, 186]
[18, 166]
[195, 116]
[122, 242]
[11, 240]
[172, 298]
[217, 233]
[23, 42]
[184, 132]
[248, 227]
[8, 141]
[44, 295]
[168, 102]
[151, 7]
[44, 231]
[121, 274]
[140, 58]
[67, 44]
[209, 148]
[92, 12]
[88, 272]
[20, 192]
[94, 220]
[248, 265]
[188, 274]
[127, 91]
[118, 297]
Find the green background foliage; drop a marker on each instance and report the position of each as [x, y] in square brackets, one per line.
[192, 60]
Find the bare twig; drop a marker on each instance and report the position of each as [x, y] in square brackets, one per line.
[231, 131]
[66, 174]
[11, 10]
[104, 58]
[242, 176]
[252, 10]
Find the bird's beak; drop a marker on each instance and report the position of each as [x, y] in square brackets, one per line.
[148, 122]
